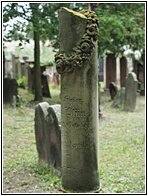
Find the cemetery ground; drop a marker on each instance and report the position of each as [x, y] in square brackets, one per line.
[121, 141]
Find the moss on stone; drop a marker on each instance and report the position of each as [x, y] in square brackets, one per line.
[74, 12]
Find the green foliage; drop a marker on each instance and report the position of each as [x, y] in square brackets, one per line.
[48, 63]
[121, 24]
[21, 82]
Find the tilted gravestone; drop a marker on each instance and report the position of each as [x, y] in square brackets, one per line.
[112, 90]
[78, 66]
[48, 135]
[130, 92]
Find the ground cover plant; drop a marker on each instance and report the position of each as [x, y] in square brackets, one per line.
[122, 149]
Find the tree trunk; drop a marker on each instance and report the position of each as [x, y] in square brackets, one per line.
[143, 60]
[92, 6]
[37, 70]
[3, 64]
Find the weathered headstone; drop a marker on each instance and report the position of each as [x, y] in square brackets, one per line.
[123, 71]
[54, 134]
[119, 99]
[45, 87]
[78, 66]
[112, 90]
[48, 135]
[57, 109]
[40, 130]
[110, 69]
[130, 92]
[10, 89]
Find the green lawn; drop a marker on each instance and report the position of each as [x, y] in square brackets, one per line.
[121, 140]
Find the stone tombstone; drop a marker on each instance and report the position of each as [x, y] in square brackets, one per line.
[130, 92]
[77, 63]
[123, 70]
[44, 82]
[48, 135]
[110, 69]
[119, 99]
[10, 89]
[14, 71]
[40, 130]
[113, 90]
[54, 134]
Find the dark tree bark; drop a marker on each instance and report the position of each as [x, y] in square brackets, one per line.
[143, 60]
[3, 64]
[92, 6]
[37, 70]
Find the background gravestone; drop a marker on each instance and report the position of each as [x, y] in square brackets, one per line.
[119, 99]
[78, 66]
[48, 135]
[112, 90]
[110, 69]
[123, 70]
[130, 92]
[10, 89]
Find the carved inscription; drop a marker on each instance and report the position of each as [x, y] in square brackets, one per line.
[74, 112]
[82, 145]
[77, 125]
[73, 99]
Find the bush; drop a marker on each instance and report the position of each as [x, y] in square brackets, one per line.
[21, 82]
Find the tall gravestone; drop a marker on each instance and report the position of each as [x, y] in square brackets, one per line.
[110, 69]
[78, 66]
[123, 71]
[130, 92]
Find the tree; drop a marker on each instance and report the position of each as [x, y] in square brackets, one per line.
[42, 19]
[37, 72]
[38, 17]
[120, 24]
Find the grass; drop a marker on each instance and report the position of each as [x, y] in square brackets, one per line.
[122, 149]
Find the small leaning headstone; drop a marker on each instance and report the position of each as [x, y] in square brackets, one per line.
[40, 131]
[130, 92]
[48, 135]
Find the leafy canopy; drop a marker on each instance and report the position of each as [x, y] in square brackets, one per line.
[120, 24]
